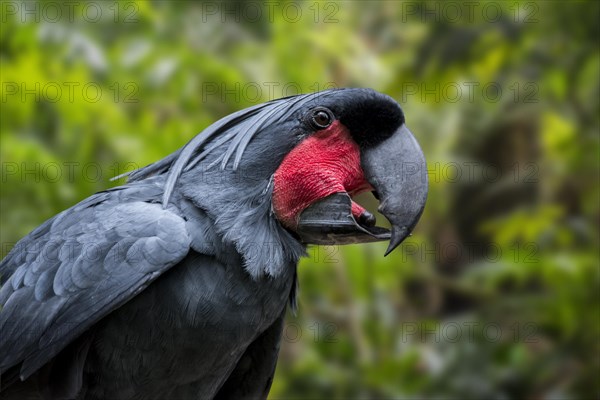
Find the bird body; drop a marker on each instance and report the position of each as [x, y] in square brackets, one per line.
[173, 339]
[175, 285]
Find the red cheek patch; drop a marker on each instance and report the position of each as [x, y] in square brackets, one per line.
[326, 162]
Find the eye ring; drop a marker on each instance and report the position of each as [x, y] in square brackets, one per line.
[321, 118]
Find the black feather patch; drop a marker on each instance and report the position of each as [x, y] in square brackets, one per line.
[370, 116]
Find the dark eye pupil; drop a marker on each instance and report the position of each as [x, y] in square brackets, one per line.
[322, 119]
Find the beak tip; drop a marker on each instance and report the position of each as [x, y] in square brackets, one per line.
[397, 237]
[389, 250]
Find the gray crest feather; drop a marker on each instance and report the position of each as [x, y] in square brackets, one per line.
[238, 129]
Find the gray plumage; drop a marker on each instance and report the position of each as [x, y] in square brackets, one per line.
[172, 286]
[235, 272]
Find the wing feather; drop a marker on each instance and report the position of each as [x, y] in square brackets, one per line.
[79, 266]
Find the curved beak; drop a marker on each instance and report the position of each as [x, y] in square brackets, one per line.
[397, 171]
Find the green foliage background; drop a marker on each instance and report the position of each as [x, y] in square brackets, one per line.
[495, 296]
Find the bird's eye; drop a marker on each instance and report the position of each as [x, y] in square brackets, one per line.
[321, 118]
